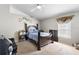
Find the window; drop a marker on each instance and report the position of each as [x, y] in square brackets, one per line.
[64, 30]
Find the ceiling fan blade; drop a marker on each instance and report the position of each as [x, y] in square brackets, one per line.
[33, 9]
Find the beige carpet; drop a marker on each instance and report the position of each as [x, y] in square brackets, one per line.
[27, 48]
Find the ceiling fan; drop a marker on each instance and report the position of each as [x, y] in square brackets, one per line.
[37, 6]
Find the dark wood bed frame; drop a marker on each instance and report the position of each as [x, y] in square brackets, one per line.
[36, 43]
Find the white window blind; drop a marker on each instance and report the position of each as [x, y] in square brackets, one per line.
[64, 30]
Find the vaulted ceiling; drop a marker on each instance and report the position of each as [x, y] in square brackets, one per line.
[47, 10]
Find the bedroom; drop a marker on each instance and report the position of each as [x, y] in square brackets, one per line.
[14, 17]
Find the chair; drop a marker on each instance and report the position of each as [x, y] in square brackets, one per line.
[14, 46]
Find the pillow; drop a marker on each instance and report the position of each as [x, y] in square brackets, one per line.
[32, 29]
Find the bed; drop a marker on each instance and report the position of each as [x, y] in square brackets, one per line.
[37, 36]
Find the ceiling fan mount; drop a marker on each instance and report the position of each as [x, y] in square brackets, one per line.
[38, 6]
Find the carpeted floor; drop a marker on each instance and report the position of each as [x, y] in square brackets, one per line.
[27, 48]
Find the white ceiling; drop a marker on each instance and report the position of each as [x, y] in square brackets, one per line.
[48, 10]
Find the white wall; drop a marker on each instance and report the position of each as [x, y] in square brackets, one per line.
[9, 23]
[48, 24]
[75, 28]
[52, 24]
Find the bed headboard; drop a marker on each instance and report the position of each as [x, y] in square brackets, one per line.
[33, 26]
[25, 26]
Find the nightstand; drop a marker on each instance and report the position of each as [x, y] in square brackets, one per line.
[21, 35]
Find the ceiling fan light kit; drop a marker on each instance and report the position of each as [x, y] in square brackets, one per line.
[38, 6]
